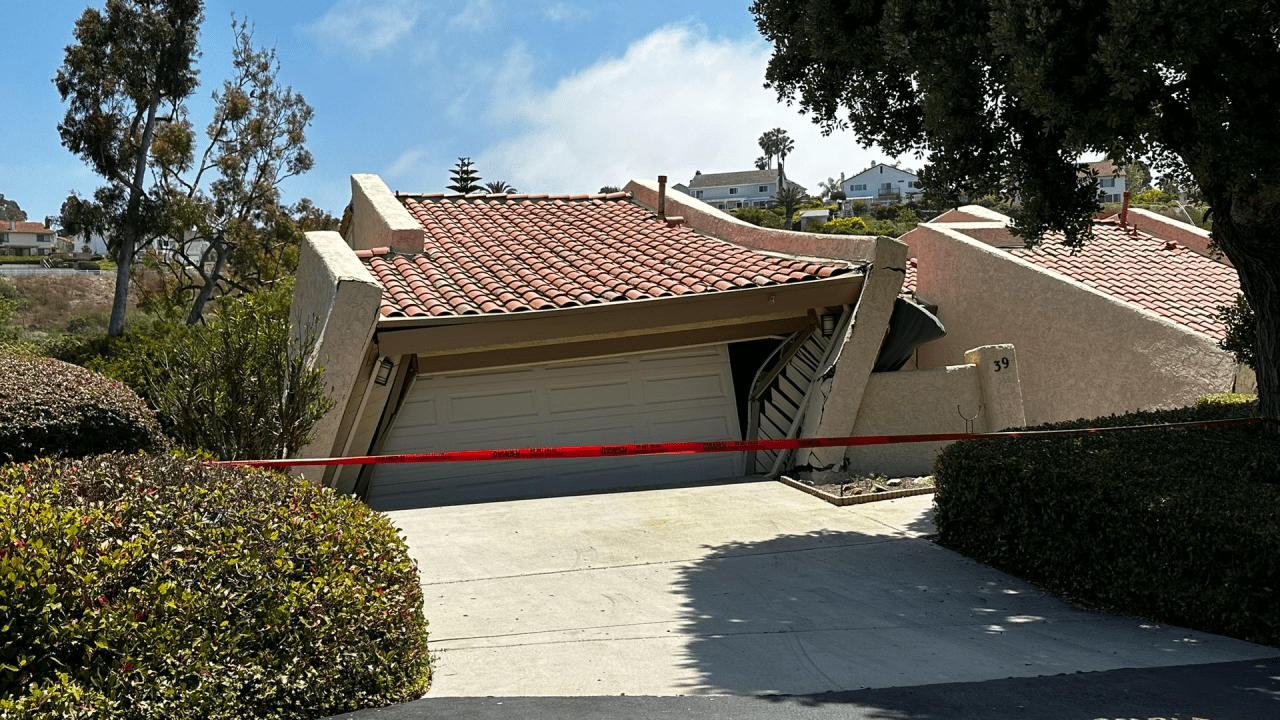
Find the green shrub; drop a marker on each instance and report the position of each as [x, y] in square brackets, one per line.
[758, 216]
[1178, 525]
[21, 259]
[49, 407]
[159, 586]
[1241, 339]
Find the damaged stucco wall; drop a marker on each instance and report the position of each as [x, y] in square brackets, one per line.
[1083, 353]
[336, 300]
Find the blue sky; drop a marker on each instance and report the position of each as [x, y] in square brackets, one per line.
[555, 96]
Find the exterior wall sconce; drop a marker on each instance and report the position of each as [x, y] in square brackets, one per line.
[828, 325]
[384, 371]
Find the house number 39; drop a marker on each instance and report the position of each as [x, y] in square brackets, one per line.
[1001, 364]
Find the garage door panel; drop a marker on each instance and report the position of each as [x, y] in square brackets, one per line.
[615, 434]
[703, 429]
[589, 396]
[679, 388]
[492, 405]
[656, 397]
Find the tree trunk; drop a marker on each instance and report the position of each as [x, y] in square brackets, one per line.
[129, 241]
[210, 283]
[1247, 228]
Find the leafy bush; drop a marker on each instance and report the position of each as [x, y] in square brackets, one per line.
[146, 587]
[1153, 196]
[54, 408]
[231, 387]
[844, 226]
[1241, 339]
[758, 216]
[21, 259]
[1178, 525]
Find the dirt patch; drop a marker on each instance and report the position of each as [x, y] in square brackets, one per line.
[845, 489]
[51, 301]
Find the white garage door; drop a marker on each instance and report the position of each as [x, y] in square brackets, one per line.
[671, 396]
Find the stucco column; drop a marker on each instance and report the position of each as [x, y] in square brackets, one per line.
[847, 380]
[1001, 390]
[336, 300]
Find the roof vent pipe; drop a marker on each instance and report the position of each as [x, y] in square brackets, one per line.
[662, 197]
[1124, 210]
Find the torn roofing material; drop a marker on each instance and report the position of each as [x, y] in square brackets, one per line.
[520, 253]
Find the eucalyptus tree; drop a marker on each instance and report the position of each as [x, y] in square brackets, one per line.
[132, 64]
[1007, 95]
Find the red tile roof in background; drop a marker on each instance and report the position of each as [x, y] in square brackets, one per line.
[22, 226]
[517, 253]
[1161, 276]
[909, 282]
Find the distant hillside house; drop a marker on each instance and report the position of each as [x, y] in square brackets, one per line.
[882, 184]
[733, 190]
[1111, 180]
[25, 238]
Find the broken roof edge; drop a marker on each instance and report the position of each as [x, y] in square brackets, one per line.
[707, 220]
[379, 219]
[919, 234]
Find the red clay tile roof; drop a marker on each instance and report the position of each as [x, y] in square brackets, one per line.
[22, 226]
[909, 282]
[517, 253]
[1161, 276]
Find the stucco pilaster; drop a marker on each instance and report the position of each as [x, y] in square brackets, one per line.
[1001, 389]
[378, 219]
[843, 389]
[335, 299]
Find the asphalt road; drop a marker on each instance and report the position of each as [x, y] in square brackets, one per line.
[1245, 690]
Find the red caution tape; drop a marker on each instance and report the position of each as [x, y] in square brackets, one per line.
[685, 448]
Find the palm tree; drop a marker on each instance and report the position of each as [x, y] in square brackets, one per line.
[499, 187]
[789, 197]
[763, 163]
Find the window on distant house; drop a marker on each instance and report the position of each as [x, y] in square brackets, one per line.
[852, 188]
[733, 191]
[1108, 182]
[697, 193]
[764, 188]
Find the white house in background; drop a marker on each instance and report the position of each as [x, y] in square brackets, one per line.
[1111, 180]
[882, 184]
[18, 237]
[733, 190]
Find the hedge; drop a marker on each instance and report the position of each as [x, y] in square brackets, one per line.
[49, 407]
[161, 586]
[1181, 526]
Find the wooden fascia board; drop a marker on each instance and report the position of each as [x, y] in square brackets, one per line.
[510, 357]
[480, 333]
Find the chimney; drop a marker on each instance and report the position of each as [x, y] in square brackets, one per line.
[662, 197]
[1124, 210]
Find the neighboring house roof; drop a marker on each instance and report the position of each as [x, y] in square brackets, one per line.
[24, 227]
[1106, 168]
[746, 177]
[909, 281]
[519, 253]
[877, 165]
[1162, 276]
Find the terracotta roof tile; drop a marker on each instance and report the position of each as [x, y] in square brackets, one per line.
[1162, 276]
[522, 253]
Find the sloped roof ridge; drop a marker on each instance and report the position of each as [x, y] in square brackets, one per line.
[439, 196]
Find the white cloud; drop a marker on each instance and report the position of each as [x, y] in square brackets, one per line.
[564, 11]
[676, 102]
[476, 16]
[366, 27]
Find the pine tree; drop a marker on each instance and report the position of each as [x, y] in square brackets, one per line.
[464, 177]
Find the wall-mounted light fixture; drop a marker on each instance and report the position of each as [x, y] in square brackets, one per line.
[828, 325]
[384, 371]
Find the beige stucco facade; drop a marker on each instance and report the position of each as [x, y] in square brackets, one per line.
[336, 300]
[1083, 353]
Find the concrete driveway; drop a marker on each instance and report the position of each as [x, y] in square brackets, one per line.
[746, 588]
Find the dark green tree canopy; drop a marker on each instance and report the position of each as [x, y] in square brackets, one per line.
[464, 177]
[1006, 95]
